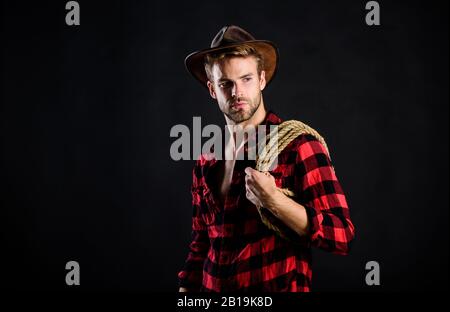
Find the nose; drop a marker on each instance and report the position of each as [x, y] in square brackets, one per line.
[236, 91]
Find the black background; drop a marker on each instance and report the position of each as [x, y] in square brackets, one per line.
[86, 173]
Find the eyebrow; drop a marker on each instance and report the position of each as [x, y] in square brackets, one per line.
[243, 76]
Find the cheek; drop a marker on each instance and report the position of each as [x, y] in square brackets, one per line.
[254, 92]
[253, 87]
[221, 100]
[222, 95]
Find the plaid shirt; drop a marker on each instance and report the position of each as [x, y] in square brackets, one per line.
[232, 250]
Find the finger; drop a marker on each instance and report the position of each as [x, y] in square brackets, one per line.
[250, 171]
[248, 188]
[252, 184]
[247, 182]
[252, 188]
[260, 176]
[250, 196]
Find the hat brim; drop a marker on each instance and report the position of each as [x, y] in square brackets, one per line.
[194, 62]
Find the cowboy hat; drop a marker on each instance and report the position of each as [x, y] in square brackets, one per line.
[228, 37]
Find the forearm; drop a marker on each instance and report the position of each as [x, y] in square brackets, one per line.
[289, 212]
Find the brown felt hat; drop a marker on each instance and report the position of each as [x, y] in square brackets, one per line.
[231, 36]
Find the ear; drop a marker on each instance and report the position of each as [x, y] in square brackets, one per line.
[211, 89]
[262, 80]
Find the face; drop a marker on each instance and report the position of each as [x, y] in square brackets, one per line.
[237, 87]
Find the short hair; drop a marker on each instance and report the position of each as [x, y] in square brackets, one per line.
[243, 50]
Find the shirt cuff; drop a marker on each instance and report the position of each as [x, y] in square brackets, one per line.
[190, 280]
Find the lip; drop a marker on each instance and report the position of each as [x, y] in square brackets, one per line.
[238, 104]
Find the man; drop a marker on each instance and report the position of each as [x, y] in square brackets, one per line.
[231, 249]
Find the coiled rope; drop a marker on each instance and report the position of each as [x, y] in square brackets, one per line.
[279, 138]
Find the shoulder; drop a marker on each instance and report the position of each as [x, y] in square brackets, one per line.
[307, 145]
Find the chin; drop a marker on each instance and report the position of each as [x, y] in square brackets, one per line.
[240, 117]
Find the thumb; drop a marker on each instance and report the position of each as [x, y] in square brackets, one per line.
[249, 170]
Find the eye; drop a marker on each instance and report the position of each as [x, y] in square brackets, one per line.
[224, 84]
[246, 79]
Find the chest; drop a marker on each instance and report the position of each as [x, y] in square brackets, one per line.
[224, 177]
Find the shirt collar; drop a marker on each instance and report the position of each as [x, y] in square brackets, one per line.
[271, 119]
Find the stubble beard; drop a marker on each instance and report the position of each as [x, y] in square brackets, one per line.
[238, 116]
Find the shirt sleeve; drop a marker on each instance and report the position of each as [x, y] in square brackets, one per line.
[191, 275]
[320, 192]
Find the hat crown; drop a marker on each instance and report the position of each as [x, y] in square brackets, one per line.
[227, 37]
[230, 35]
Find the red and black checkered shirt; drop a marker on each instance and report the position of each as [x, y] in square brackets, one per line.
[232, 250]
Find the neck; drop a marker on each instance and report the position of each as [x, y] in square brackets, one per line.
[257, 118]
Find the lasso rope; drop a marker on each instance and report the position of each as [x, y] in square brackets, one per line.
[279, 138]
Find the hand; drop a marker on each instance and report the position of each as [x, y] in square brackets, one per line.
[260, 187]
